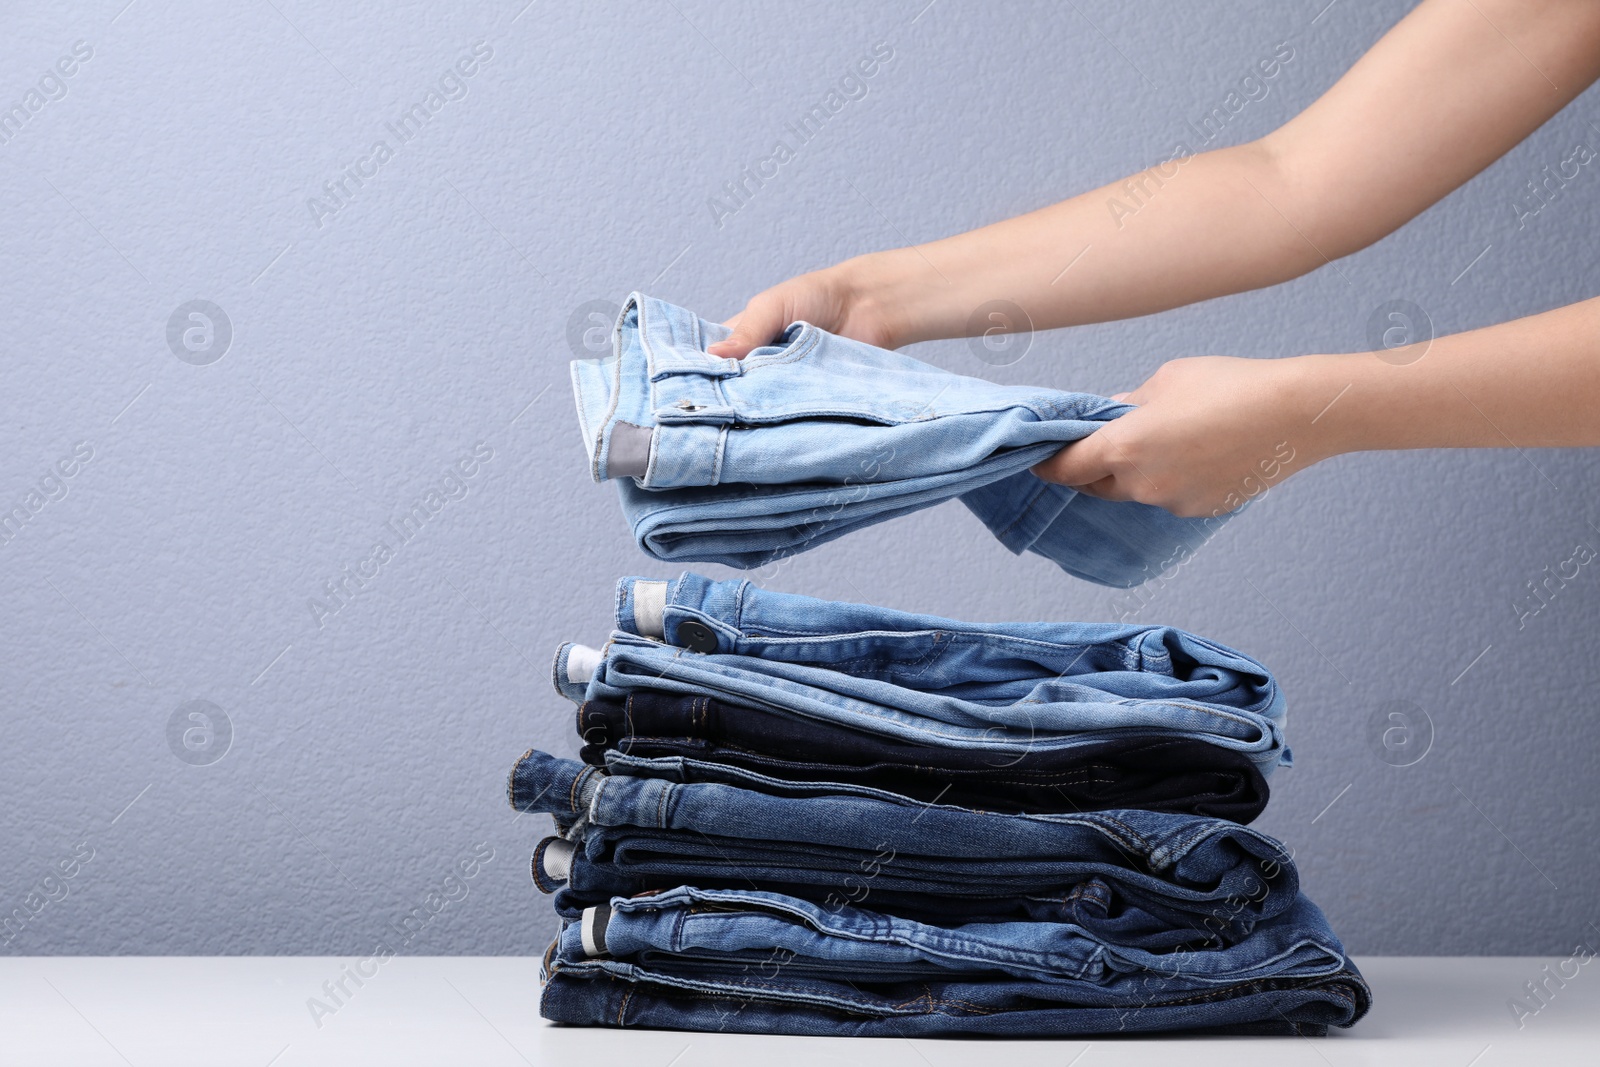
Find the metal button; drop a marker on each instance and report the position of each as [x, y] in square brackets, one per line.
[696, 636]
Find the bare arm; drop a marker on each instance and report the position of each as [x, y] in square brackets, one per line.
[1449, 89]
[1211, 433]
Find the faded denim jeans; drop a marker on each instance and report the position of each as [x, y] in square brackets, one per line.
[743, 462]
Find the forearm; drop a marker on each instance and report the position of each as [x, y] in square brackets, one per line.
[1456, 84]
[1208, 433]
[1529, 383]
[1188, 230]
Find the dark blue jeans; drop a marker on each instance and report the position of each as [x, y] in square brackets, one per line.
[1139, 878]
[763, 962]
[615, 994]
[761, 934]
[1154, 772]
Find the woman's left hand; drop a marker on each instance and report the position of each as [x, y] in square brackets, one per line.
[1209, 434]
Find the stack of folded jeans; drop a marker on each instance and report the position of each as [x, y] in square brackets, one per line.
[746, 461]
[797, 816]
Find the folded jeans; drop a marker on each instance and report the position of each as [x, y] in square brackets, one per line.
[1152, 771]
[743, 462]
[731, 931]
[603, 992]
[1166, 878]
[1033, 711]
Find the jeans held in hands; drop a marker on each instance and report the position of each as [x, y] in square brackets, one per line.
[743, 462]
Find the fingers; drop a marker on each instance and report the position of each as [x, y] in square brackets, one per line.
[761, 320]
[1081, 463]
[1105, 489]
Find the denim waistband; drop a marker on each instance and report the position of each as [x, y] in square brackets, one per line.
[652, 410]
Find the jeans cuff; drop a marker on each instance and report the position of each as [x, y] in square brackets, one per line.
[593, 929]
[552, 864]
[573, 668]
[564, 788]
[641, 604]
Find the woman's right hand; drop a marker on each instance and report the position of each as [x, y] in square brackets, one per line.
[837, 299]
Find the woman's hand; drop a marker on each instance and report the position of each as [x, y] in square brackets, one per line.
[839, 299]
[1209, 434]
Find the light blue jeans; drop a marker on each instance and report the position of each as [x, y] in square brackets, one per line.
[994, 665]
[743, 462]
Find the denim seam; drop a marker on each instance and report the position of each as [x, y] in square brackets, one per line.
[679, 919]
[1181, 847]
[1035, 778]
[555, 670]
[913, 667]
[511, 780]
[655, 453]
[538, 876]
[716, 459]
[701, 740]
[661, 799]
[953, 632]
[572, 789]
[583, 730]
[1026, 508]
[840, 666]
[936, 1003]
[538, 873]
[1134, 840]
[745, 992]
[1129, 660]
[1256, 985]
[616, 393]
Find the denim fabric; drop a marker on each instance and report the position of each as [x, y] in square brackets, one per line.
[612, 993]
[746, 461]
[1153, 772]
[630, 862]
[761, 934]
[807, 966]
[993, 662]
[1139, 878]
[1025, 707]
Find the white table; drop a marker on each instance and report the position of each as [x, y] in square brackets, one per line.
[460, 1011]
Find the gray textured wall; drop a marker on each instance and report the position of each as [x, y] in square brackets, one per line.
[376, 344]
